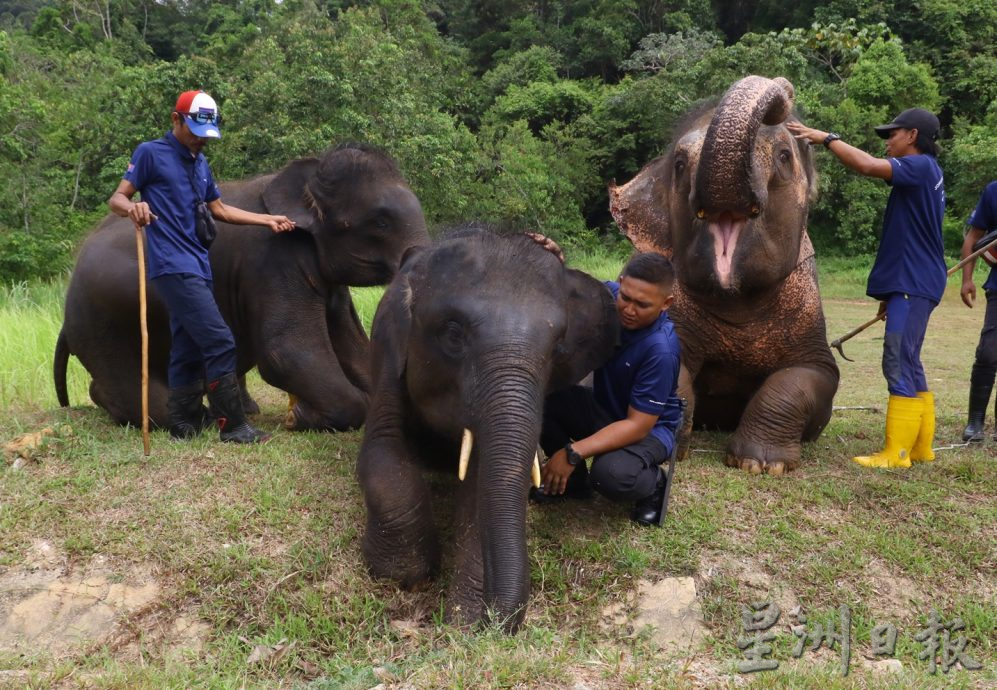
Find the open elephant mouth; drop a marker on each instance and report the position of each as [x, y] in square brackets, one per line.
[726, 231]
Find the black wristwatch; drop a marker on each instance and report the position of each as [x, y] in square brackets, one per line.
[829, 138]
[573, 458]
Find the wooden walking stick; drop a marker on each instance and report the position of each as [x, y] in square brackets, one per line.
[143, 321]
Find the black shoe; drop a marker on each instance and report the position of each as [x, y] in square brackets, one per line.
[578, 488]
[188, 417]
[226, 401]
[647, 511]
[973, 433]
[981, 383]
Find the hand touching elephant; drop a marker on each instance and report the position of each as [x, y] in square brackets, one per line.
[728, 202]
[467, 341]
[284, 296]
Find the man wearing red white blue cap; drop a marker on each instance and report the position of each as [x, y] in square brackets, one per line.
[176, 184]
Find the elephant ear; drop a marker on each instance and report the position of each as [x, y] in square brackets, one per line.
[288, 193]
[389, 333]
[640, 208]
[593, 330]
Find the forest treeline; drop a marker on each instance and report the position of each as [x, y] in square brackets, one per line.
[510, 111]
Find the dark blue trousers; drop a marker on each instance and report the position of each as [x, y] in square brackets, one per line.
[906, 324]
[202, 346]
[986, 349]
[627, 474]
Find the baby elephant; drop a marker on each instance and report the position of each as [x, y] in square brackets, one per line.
[469, 338]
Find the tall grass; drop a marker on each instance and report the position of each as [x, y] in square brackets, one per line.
[31, 316]
[30, 319]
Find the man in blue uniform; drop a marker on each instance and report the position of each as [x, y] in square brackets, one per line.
[174, 178]
[981, 382]
[908, 276]
[629, 420]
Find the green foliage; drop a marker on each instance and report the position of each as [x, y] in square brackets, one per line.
[884, 78]
[541, 103]
[570, 95]
[835, 48]
[971, 163]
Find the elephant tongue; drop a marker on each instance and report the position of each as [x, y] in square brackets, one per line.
[725, 230]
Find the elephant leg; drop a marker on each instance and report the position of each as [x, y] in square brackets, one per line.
[792, 404]
[249, 406]
[348, 338]
[686, 392]
[120, 393]
[400, 541]
[310, 371]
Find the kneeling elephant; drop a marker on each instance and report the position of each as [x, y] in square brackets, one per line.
[728, 202]
[284, 296]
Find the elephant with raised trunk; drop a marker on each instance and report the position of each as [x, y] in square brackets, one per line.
[284, 296]
[467, 341]
[728, 202]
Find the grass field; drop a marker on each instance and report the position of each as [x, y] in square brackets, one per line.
[242, 565]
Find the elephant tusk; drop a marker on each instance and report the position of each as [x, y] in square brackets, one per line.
[465, 453]
[536, 470]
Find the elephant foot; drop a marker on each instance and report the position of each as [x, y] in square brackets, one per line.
[412, 562]
[300, 417]
[756, 458]
[463, 613]
[755, 466]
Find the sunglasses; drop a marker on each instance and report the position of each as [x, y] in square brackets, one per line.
[205, 118]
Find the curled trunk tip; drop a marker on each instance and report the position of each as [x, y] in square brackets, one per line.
[723, 181]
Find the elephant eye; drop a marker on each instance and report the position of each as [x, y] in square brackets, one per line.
[785, 156]
[453, 339]
[680, 164]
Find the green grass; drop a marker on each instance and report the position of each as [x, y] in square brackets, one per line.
[262, 544]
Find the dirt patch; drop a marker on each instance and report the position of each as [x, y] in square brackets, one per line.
[896, 598]
[750, 573]
[51, 608]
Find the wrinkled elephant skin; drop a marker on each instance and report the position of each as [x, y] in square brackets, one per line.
[284, 296]
[728, 202]
[472, 334]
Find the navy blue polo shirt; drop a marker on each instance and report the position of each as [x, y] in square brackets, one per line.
[985, 218]
[643, 373]
[172, 181]
[911, 258]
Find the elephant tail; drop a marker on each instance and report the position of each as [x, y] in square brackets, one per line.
[59, 367]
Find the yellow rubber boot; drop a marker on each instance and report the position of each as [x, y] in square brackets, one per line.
[903, 421]
[922, 451]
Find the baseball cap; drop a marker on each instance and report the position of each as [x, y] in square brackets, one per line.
[201, 113]
[913, 118]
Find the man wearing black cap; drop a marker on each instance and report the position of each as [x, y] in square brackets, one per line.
[176, 183]
[981, 381]
[908, 276]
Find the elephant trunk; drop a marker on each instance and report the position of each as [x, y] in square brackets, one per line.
[724, 181]
[508, 407]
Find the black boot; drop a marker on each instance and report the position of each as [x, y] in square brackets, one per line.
[226, 401]
[981, 383]
[187, 416]
[578, 488]
[647, 511]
